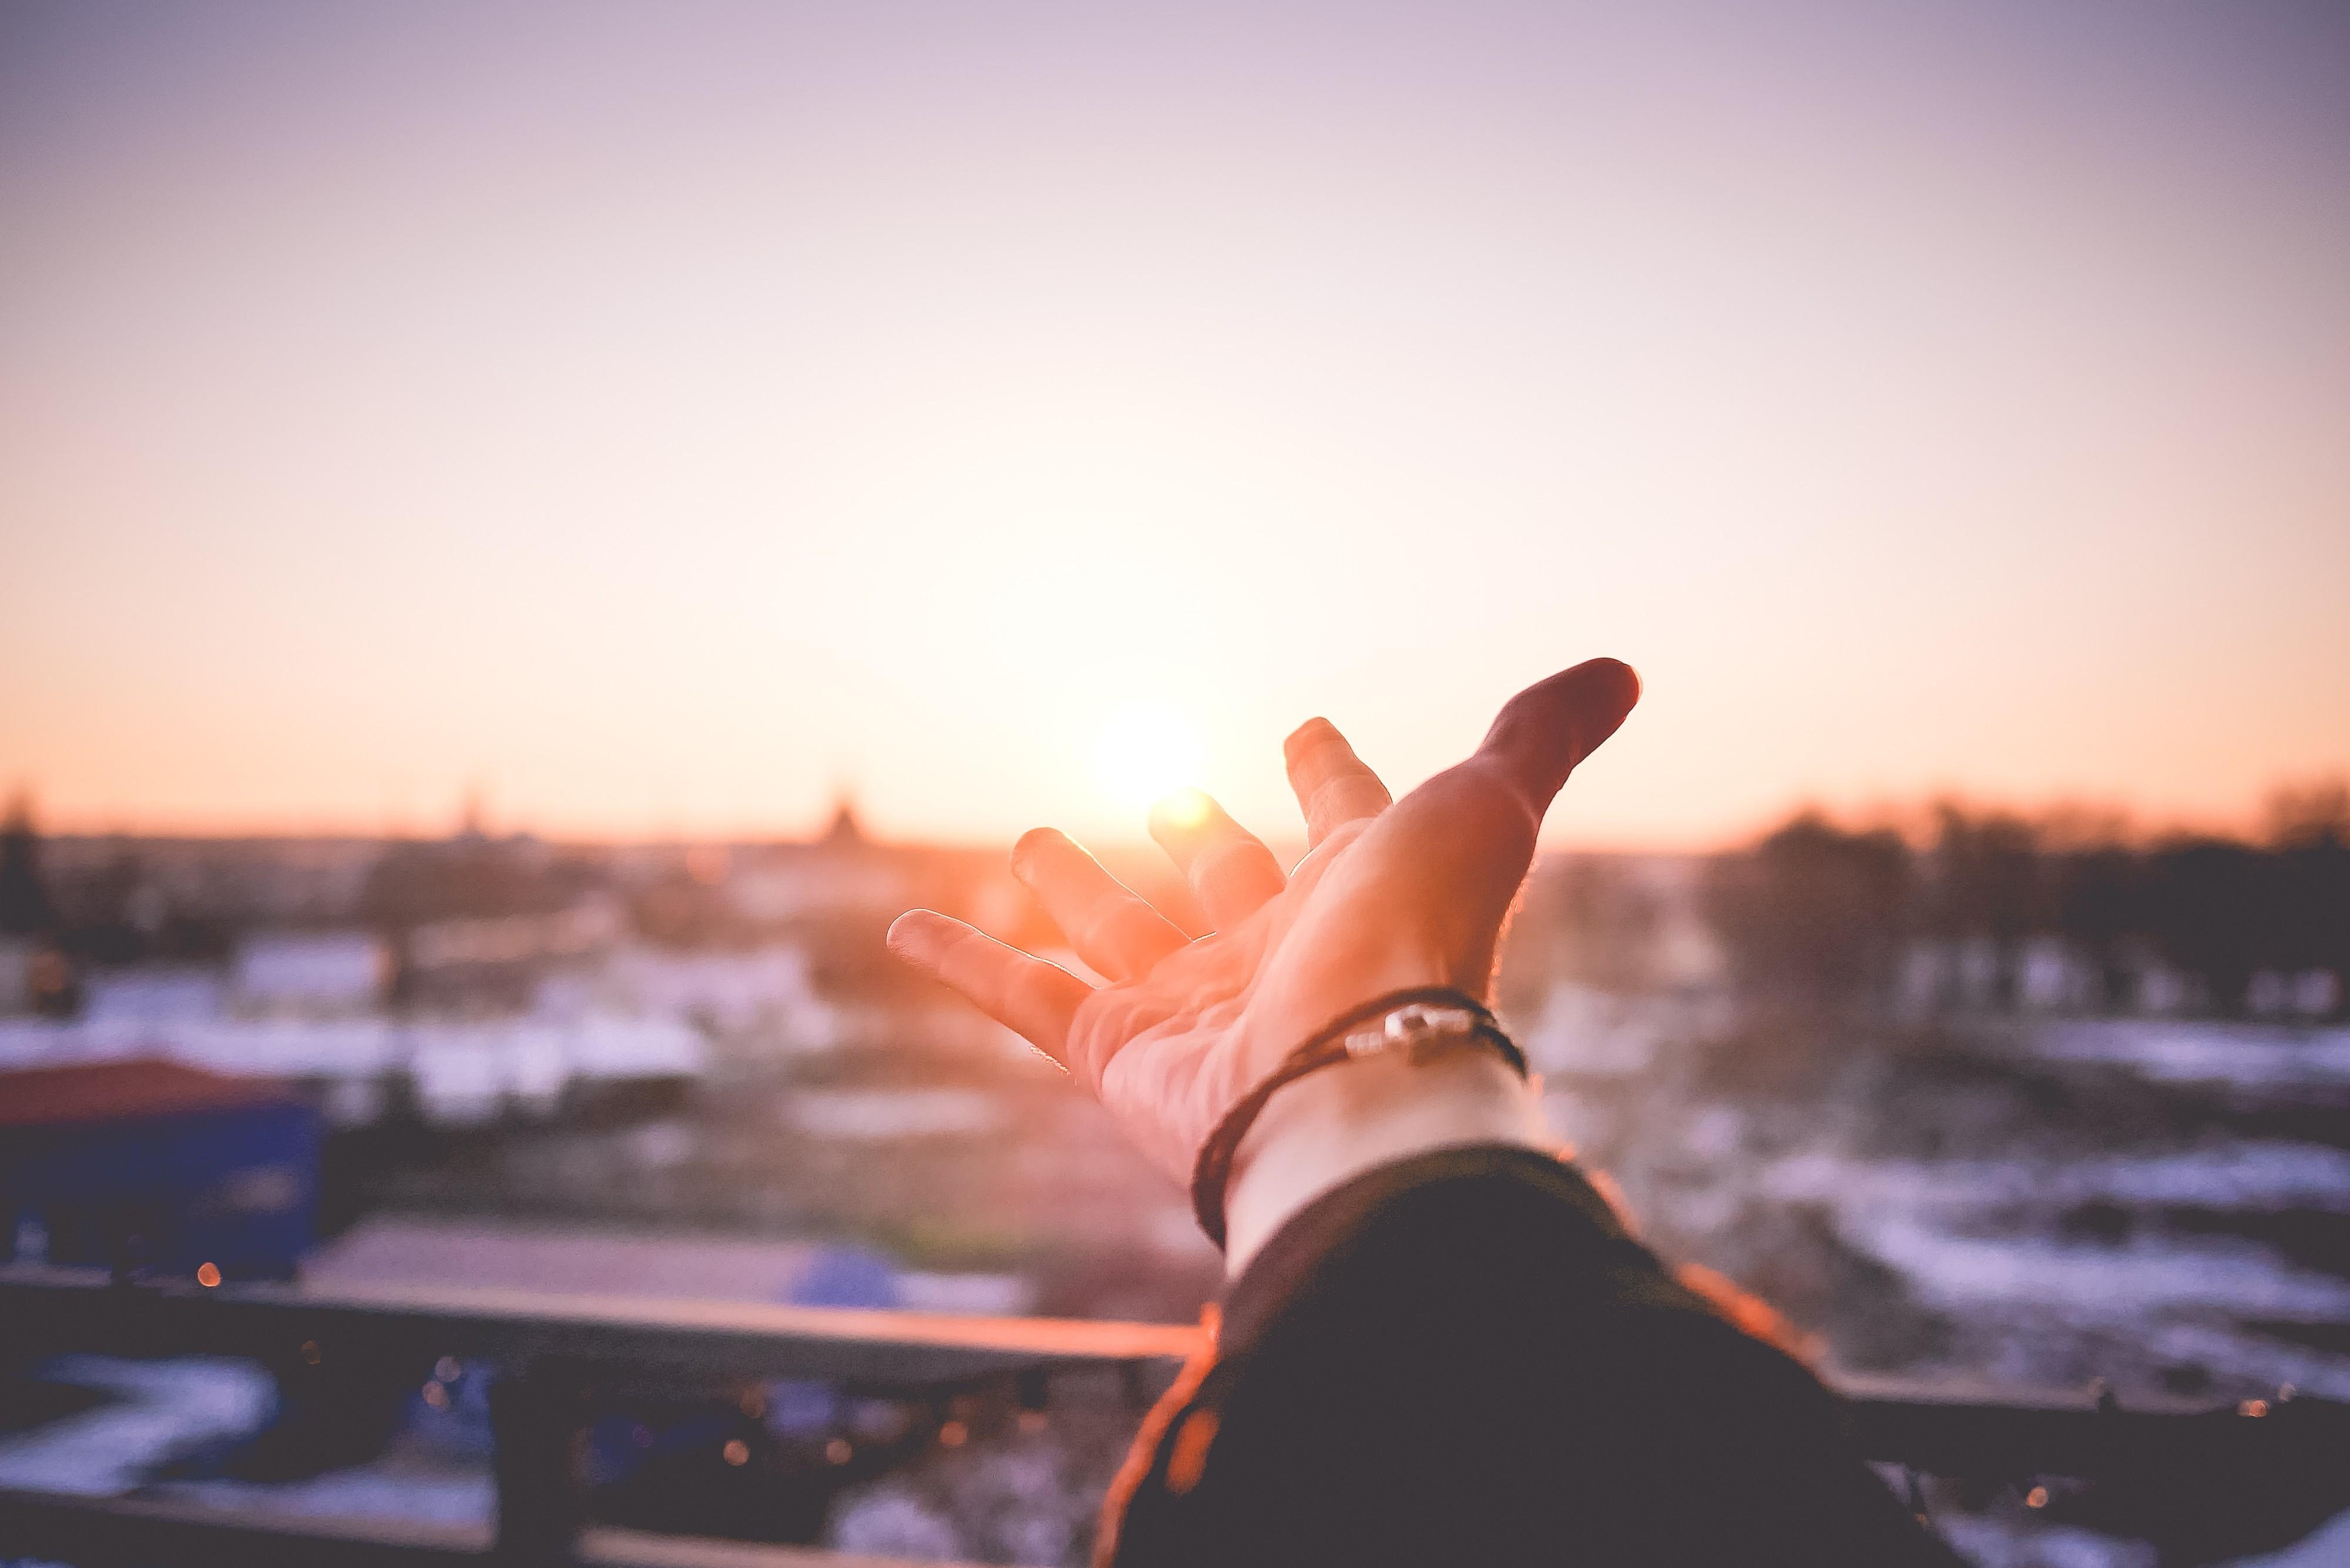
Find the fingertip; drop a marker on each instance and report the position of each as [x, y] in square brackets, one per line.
[909, 934]
[1030, 843]
[1608, 691]
[1306, 737]
[1179, 811]
[1625, 681]
[1544, 732]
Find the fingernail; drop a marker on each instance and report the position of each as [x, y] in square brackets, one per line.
[1024, 852]
[902, 931]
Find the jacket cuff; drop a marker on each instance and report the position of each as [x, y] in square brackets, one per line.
[1337, 1219]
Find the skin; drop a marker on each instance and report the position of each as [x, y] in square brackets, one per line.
[1390, 895]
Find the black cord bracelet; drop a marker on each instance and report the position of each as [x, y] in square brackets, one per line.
[1414, 1017]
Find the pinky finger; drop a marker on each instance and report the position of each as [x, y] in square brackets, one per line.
[1034, 999]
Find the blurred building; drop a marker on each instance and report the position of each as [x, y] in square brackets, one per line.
[770, 987]
[16, 975]
[25, 908]
[311, 973]
[154, 994]
[842, 872]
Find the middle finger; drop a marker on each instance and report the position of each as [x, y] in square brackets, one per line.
[1230, 868]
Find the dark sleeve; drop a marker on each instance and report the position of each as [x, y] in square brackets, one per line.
[1461, 1358]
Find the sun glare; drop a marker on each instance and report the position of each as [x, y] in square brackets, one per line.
[1143, 754]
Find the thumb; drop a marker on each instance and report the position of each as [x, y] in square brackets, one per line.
[1548, 727]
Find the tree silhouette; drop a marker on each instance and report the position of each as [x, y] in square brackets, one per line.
[1813, 914]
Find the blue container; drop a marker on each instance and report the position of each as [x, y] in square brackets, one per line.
[156, 1164]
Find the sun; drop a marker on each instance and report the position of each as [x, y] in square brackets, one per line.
[1142, 753]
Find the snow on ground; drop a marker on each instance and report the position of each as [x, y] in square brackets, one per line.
[2178, 1298]
[2118, 1285]
[386, 1488]
[2241, 1055]
[1995, 1543]
[2261, 1178]
[159, 1409]
[2248, 1358]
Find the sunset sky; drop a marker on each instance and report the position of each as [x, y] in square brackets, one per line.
[660, 418]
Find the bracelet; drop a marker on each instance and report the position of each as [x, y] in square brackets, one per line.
[1418, 1023]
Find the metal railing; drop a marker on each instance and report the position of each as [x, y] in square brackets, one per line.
[550, 1351]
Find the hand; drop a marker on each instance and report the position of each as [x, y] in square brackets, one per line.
[1388, 896]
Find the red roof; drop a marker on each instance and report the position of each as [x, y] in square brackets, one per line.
[117, 1091]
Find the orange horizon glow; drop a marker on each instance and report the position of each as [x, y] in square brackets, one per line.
[2109, 820]
[656, 425]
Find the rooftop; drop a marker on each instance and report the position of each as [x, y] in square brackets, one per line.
[115, 1091]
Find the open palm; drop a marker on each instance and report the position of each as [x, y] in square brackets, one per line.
[1390, 895]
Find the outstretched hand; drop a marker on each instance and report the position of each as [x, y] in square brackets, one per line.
[1390, 895]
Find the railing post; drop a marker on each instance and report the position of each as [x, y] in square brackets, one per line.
[536, 1412]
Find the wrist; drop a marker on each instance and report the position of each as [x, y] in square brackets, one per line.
[1332, 1126]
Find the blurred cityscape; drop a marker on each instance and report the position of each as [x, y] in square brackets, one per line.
[1995, 1101]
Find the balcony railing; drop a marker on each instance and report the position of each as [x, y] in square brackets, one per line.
[549, 1351]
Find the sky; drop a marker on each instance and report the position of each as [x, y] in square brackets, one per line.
[659, 420]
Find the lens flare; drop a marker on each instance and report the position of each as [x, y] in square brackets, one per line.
[1142, 754]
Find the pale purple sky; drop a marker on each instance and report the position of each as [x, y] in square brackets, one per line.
[659, 416]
